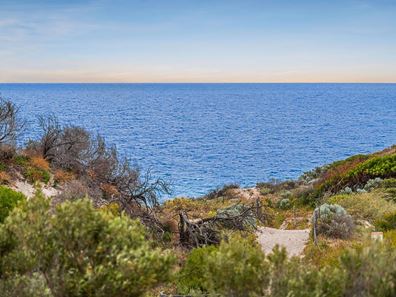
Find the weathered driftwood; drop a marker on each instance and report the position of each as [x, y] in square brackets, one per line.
[204, 231]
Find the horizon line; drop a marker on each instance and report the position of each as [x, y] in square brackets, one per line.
[192, 82]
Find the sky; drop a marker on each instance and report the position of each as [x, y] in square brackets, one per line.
[197, 41]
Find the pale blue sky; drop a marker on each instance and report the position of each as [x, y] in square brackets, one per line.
[198, 41]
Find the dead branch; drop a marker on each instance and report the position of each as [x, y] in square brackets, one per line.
[204, 231]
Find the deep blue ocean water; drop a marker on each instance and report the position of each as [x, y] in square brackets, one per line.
[199, 136]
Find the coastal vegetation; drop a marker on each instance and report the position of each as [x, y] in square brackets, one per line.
[103, 231]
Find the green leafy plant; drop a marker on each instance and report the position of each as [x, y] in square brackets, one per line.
[388, 222]
[8, 200]
[284, 203]
[365, 206]
[191, 277]
[34, 174]
[380, 166]
[236, 268]
[80, 251]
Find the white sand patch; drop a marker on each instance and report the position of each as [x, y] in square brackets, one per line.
[293, 240]
[28, 189]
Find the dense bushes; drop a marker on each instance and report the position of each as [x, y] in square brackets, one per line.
[353, 173]
[237, 268]
[192, 277]
[75, 250]
[8, 200]
[369, 271]
[380, 166]
[364, 206]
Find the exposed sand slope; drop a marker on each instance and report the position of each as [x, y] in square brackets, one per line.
[293, 240]
[28, 190]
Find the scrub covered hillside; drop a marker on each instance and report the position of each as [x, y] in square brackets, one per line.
[77, 220]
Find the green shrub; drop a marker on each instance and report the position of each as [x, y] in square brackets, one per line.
[228, 271]
[21, 160]
[293, 277]
[369, 271]
[381, 166]
[334, 221]
[388, 222]
[191, 278]
[365, 206]
[235, 268]
[225, 192]
[354, 172]
[8, 200]
[34, 174]
[389, 189]
[373, 183]
[274, 186]
[284, 203]
[388, 183]
[33, 285]
[80, 251]
[390, 237]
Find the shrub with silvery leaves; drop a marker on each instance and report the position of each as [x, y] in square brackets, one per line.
[346, 190]
[284, 203]
[373, 183]
[334, 221]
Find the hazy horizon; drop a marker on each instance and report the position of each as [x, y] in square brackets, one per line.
[252, 41]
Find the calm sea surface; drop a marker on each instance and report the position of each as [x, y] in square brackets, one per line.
[199, 136]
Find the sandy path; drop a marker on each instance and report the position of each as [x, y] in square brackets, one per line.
[293, 240]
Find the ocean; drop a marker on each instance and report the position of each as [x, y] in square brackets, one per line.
[200, 136]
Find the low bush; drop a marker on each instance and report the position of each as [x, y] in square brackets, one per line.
[21, 160]
[360, 271]
[236, 268]
[388, 186]
[225, 192]
[34, 174]
[40, 163]
[109, 191]
[334, 221]
[5, 178]
[34, 169]
[191, 277]
[388, 183]
[72, 190]
[336, 172]
[293, 277]
[7, 152]
[309, 176]
[373, 183]
[388, 222]
[8, 200]
[3, 167]
[284, 203]
[79, 251]
[355, 172]
[369, 271]
[276, 186]
[380, 166]
[365, 206]
[390, 238]
[62, 176]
